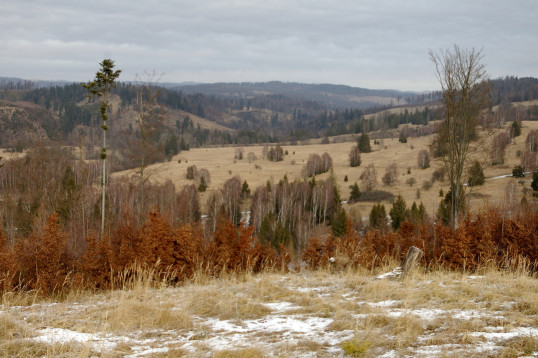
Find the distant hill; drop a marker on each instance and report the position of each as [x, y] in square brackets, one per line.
[332, 96]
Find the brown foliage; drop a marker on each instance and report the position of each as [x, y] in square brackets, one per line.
[8, 264]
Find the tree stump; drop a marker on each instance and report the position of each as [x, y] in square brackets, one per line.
[411, 260]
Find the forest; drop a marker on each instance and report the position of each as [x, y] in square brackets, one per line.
[50, 213]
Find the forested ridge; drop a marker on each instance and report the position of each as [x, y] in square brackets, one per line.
[61, 113]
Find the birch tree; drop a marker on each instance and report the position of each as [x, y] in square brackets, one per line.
[465, 89]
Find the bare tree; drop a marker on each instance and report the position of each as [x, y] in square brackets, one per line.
[463, 79]
[368, 178]
[239, 152]
[354, 156]
[326, 162]
[251, 157]
[529, 161]
[142, 146]
[391, 175]
[498, 146]
[532, 141]
[423, 159]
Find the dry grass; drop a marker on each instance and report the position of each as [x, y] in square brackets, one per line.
[222, 166]
[318, 313]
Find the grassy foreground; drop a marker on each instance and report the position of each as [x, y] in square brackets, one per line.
[301, 314]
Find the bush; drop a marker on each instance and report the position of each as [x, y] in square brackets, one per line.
[518, 172]
[476, 175]
[427, 185]
[192, 172]
[411, 181]
[438, 174]
[391, 175]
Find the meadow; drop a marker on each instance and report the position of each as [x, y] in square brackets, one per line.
[323, 313]
[220, 162]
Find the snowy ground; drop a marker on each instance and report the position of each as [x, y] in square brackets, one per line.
[294, 315]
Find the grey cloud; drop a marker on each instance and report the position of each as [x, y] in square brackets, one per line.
[376, 44]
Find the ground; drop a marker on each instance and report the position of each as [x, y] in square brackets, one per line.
[296, 314]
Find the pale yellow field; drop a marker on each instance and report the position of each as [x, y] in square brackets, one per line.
[222, 166]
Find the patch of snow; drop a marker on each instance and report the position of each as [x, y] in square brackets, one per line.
[392, 274]
[279, 307]
[63, 336]
[502, 336]
[388, 303]
[146, 351]
[389, 354]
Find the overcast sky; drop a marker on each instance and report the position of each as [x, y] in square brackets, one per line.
[365, 43]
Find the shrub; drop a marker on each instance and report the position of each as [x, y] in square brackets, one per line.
[354, 348]
[438, 174]
[517, 172]
[192, 172]
[476, 175]
[427, 185]
[411, 181]
[391, 175]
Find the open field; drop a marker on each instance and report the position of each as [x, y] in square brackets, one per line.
[302, 314]
[221, 164]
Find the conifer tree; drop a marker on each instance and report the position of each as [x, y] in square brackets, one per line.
[364, 143]
[398, 212]
[101, 86]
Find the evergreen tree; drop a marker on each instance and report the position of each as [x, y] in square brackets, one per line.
[245, 190]
[534, 184]
[398, 212]
[378, 217]
[444, 212]
[101, 86]
[339, 223]
[476, 175]
[355, 193]
[364, 143]
[516, 129]
[518, 172]
[203, 185]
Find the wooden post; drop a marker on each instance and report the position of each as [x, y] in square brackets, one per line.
[411, 260]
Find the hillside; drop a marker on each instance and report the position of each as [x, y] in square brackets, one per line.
[333, 96]
[222, 166]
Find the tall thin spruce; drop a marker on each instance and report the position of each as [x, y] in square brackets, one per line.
[101, 87]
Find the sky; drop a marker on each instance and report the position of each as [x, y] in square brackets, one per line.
[377, 44]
